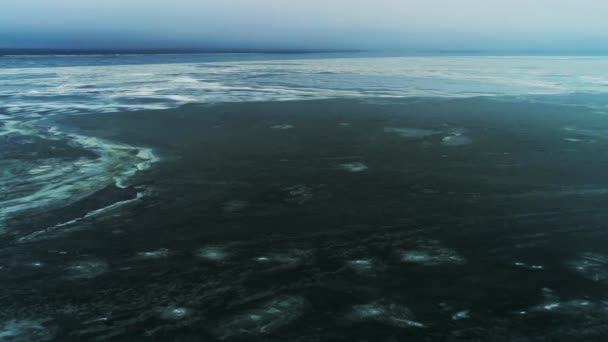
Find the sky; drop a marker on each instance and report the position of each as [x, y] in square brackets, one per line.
[306, 24]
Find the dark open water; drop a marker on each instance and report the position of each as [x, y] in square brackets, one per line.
[375, 215]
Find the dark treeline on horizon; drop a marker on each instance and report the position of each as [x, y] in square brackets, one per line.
[286, 51]
[104, 51]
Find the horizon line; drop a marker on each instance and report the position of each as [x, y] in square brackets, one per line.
[12, 51]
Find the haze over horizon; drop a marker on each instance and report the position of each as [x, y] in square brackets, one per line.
[274, 24]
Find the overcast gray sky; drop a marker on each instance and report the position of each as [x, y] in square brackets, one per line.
[418, 24]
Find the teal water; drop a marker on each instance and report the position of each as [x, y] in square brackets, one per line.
[345, 198]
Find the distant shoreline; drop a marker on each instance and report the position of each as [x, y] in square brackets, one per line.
[67, 52]
[8, 52]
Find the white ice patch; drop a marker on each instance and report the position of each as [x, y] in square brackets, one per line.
[551, 306]
[111, 88]
[353, 167]
[40, 169]
[456, 139]
[148, 158]
[464, 314]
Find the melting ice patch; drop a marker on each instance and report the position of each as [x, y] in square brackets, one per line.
[233, 206]
[388, 313]
[299, 194]
[155, 254]
[264, 319]
[35, 264]
[464, 314]
[528, 266]
[579, 307]
[456, 138]
[431, 253]
[86, 269]
[174, 312]
[212, 253]
[281, 126]
[586, 133]
[56, 182]
[113, 88]
[24, 330]
[353, 167]
[365, 266]
[592, 266]
[286, 260]
[65, 227]
[411, 133]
